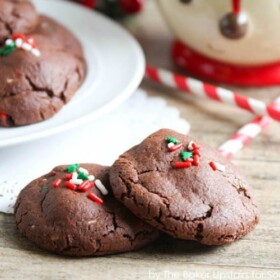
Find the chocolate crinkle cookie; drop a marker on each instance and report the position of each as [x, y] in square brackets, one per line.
[184, 188]
[71, 211]
[42, 66]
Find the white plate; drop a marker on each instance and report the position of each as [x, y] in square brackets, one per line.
[115, 68]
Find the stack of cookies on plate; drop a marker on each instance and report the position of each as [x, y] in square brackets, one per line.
[42, 64]
[169, 183]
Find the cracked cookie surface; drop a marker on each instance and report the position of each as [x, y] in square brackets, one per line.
[67, 222]
[16, 16]
[33, 89]
[196, 203]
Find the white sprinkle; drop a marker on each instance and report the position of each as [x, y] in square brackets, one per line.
[91, 222]
[81, 169]
[74, 175]
[190, 146]
[9, 42]
[36, 52]
[171, 144]
[27, 47]
[19, 42]
[76, 181]
[220, 167]
[101, 187]
[91, 178]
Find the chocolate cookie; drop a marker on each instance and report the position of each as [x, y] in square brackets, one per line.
[16, 16]
[184, 188]
[64, 213]
[59, 36]
[33, 89]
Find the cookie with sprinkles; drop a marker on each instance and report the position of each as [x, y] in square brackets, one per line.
[41, 70]
[78, 217]
[190, 192]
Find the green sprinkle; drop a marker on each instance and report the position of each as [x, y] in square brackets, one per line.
[7, 50]
[170, 139]
[44, 189]
[185, 155]
[82, 176]
[72, 168]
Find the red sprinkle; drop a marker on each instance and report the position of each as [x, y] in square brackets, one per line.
[189, 160]
[196, 160]
[195, 146]
[30, 40]
[3, 116]
[196, 152]
[70, 186]
[95, 198]
[175, 147]
[57, 183]
[85, 186]
[184, 164]
[18, 71]
[68, 176]
[17, 36]
[213, 165]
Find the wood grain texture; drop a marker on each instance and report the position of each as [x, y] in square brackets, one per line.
[257, 256]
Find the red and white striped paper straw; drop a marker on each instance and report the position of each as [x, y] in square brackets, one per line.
[201, 89]
[246, 134]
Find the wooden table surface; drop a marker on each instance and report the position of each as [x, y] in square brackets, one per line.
[257, 256]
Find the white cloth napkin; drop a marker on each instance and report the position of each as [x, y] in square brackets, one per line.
[100, 142]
